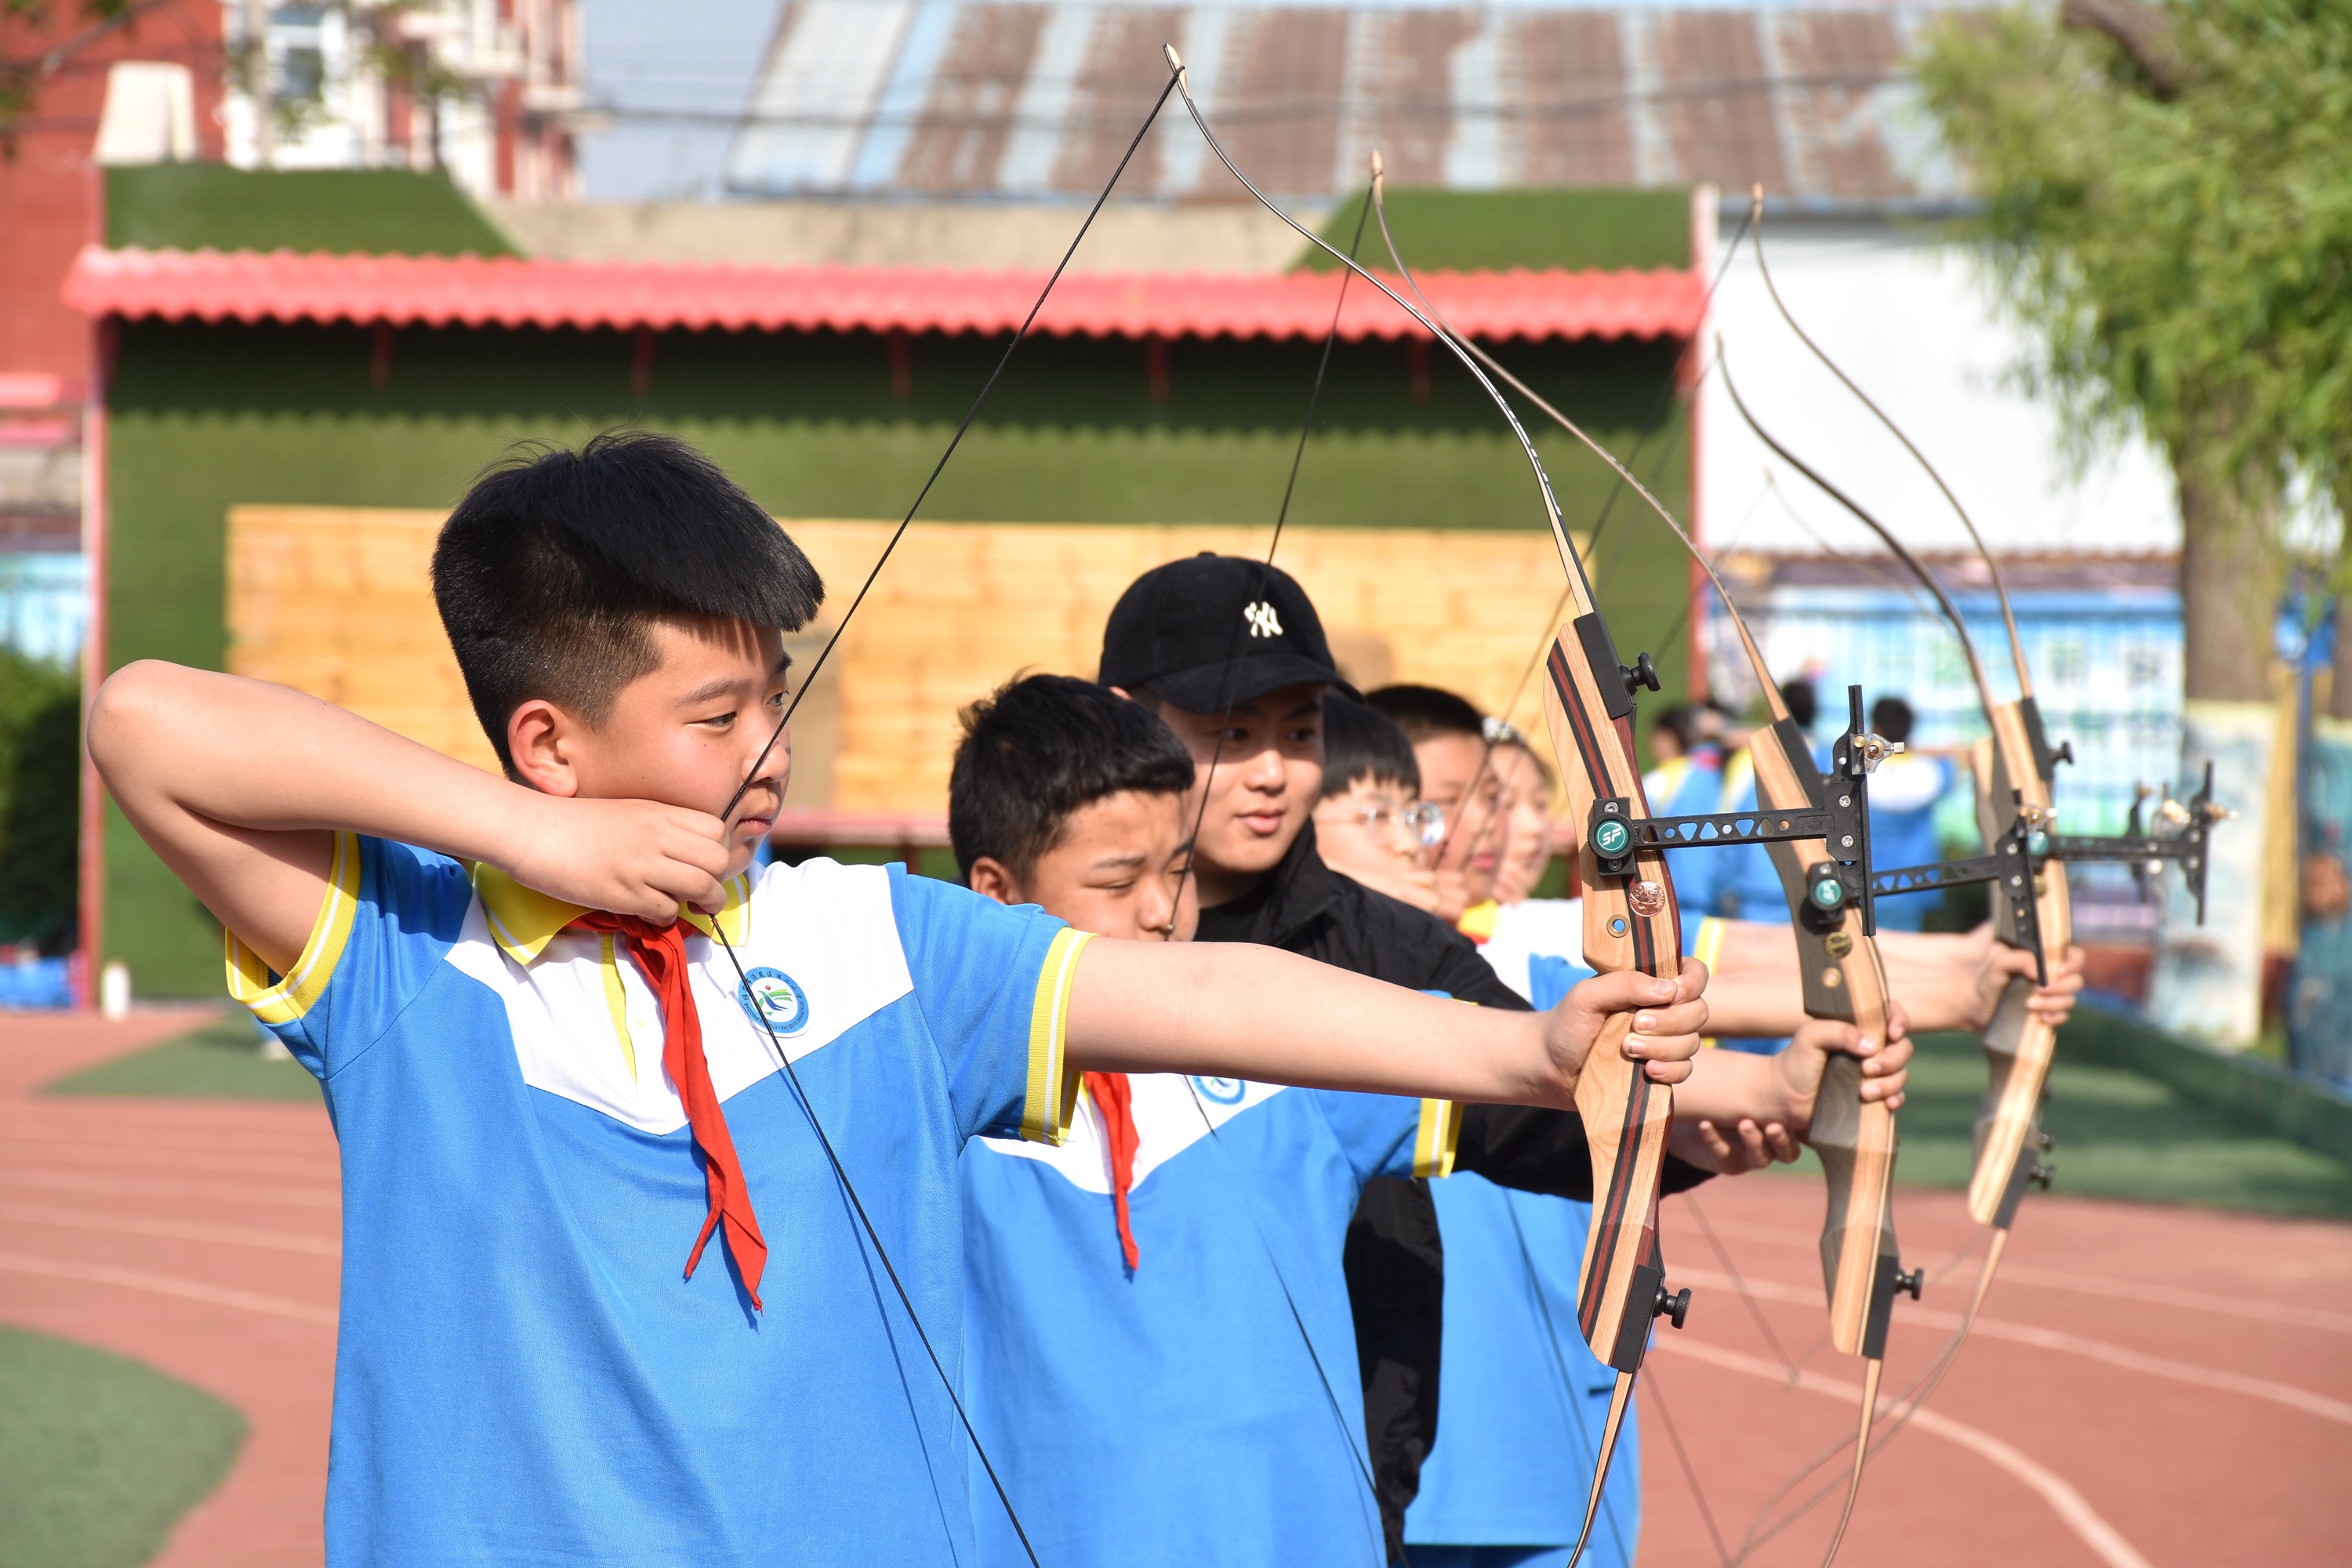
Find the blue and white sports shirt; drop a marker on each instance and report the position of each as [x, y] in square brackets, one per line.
[522, 1375]
[1207, 1408]
[1521, 1398]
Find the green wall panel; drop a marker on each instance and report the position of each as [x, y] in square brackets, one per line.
[207, 417]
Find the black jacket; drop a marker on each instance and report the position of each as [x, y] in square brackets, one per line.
[1395, 1260]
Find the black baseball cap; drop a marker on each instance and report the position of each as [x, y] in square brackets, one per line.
[1213, 630]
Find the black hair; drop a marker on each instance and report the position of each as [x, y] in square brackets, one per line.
[1042, 748]
[1891, 716]
[550, 569]
[1681, 722]
[1362, 741]
[1804, 706]
[1424, 712]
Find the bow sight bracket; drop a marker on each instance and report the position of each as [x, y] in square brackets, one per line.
[2010, 869]
[1841, 821]
[2146, 852]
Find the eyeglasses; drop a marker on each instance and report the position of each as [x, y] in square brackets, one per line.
[1424, 823]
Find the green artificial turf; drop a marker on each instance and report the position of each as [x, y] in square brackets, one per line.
[194, 207]
[219, 1060]
[1570, 226]
[2116, 1134]
[99, 1455]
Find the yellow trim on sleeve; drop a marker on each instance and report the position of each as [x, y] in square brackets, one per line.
[1711, 933]
[1437, 1139]
[1478, 921]
[1053, 1090]
[1739, 770]
[617, 1000]
[286, 1000]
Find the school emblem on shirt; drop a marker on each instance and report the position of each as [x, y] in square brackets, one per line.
[1223, 1090]
[1263, 621]
[772, 999]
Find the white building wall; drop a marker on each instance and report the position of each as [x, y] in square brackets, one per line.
[1914, 323]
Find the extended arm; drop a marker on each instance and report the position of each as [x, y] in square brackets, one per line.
[239, 784]
[1738, 1111]
[1241, 1011]
[1945, 981]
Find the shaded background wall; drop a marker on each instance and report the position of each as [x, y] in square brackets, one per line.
[207, 417]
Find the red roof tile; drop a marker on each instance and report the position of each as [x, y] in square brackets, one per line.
[439, 290]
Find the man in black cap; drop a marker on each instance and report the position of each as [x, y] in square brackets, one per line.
[1231, 653]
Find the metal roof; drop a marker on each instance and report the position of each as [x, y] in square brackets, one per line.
[942, 98]
[470, 290]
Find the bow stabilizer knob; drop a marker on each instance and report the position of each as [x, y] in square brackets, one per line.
[1911, 1284]
[1639, 675]
[1674, 1307]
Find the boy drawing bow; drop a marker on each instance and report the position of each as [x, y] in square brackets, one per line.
[605, 1296]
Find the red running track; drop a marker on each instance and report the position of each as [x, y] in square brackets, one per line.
[2147, 1386]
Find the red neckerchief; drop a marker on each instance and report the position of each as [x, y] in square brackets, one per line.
[1115, 1103]
[659, 954]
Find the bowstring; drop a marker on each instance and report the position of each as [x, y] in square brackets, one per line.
[1617, 486]
[1655, 1389]
[783, 1058]
[1216, 754]
[954, 441]
[1281, 516]
[1331, 1394]
[849, 1189]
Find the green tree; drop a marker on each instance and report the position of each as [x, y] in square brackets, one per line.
[2170, 207]
[38, 37]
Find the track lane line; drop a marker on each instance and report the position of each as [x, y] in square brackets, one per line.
[176, 1230]
[2071, 1507]
[2116, 1355]
[2087, 1284]
[167, 1284]
[292, 1197]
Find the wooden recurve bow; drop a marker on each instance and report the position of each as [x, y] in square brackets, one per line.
[1629, 921]
[1829, 916]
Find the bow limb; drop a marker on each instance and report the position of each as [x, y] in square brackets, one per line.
[783, 1058]
[2000, 588]
[2012, 770]
[1838, 961]
[1629, 922]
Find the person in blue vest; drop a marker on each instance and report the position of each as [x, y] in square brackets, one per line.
[1904, 795]
[1687, 741]
[1489, 1490]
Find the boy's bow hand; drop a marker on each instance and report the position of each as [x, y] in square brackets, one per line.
[1886, 1065]
[2054, 1003]
[628, 856]
[1668, 1018]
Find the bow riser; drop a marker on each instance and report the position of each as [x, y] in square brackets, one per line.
[1626, 1117]
[2019, 1046]
[1843, 979]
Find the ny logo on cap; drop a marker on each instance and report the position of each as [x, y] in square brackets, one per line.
[1263, 621]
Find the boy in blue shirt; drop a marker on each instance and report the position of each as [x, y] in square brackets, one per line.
[624, 1132]
[1161, 1352]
